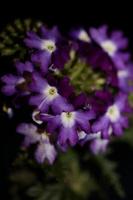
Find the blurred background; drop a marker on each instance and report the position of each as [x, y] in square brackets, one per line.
[67, 15]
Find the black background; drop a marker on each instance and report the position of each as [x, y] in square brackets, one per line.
[66, 15]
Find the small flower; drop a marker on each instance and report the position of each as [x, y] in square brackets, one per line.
[45, 150]
[11, 81]
[46, 95]
[50, 48]
[113, 45]
[113, 118]
[14, 82]
[69, 123]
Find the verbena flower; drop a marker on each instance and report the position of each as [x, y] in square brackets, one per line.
[45, 95]
[50, 48]
[113, 44]
[113, 118]
[15, 83]
[45, 150]
[74, 90]
[68, 123]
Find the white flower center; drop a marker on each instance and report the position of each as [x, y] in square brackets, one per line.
[113, 113]
[68, 119]
[122, 74]
[84, 36]
[50, 92]
[109, 47]
[48, 45]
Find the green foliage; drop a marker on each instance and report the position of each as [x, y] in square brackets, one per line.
[82, 75]
[11, 38]
[74, 176]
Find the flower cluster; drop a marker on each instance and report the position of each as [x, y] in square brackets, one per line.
[76, 87]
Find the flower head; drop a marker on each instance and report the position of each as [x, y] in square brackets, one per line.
[113, 118]
[74, 90]
[50, 48]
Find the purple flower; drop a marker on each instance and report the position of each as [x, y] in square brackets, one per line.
[46, 96]
[14, 82]
[45, 150]
[68, 124]
[113, 118]
[113, 44]
[11, 81]
[50, 48]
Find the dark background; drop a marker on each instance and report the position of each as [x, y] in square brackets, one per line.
[66, 15]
